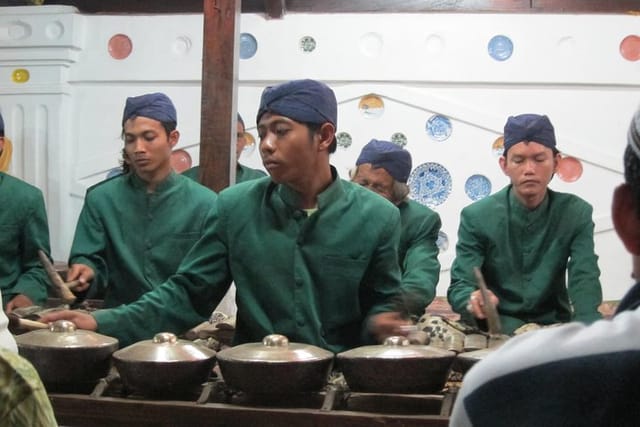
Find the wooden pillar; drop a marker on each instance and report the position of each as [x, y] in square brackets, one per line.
[219, 93]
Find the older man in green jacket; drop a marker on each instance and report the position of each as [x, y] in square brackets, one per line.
[526, 239]
[384, 168]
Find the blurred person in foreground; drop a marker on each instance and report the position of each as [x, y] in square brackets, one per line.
[23, 398]
[533, 245]
[384, 168]
[574, 374]
[313, 257]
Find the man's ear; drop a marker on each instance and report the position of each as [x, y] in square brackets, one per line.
[626, 218]
[174, 136]
[503, 164]
[327, 133]
[1, 143]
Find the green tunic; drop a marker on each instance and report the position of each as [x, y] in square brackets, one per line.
[23, 230]
[418, 254]
[134, 240]
[243, 173]
[525, 255]
[312, 278]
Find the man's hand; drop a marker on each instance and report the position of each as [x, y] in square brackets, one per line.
[476, 304]
[385, 325]
[81, 319]
[83, 274]
[18, 301]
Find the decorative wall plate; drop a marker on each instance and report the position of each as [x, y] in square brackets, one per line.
[630, 48]
[477, 187]
[344, 140]
[430, 184]
[250, 143]
[114, 172]
[439, 128]
[371, 106]
[500, 48]
[569, 169]
[399, 138]
[498, 146]
[20, 75]
[248, 46]
[180, 160]
[307, 44]
[120, 46]
[442, 241]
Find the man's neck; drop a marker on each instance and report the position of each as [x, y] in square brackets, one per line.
[152, 180]
[531, 202]
[310, 189]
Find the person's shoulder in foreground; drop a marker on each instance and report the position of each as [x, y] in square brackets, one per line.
[571, 374]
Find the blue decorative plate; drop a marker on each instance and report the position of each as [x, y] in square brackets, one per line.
[500, 48]
[114, 172]
[439, 127]
[477, 187]
[248, 46]
[430, 184]
[442, 241]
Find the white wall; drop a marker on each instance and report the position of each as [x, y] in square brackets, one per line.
[65, 121]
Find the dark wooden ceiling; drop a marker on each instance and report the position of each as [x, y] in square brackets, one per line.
[279, 8]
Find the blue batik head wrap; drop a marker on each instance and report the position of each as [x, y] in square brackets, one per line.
[529, 127]
[305, 101]
[155, 106]
[389, 156]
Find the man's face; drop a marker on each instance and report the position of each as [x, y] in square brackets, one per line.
[289, 153]
[530, 166]
[375, 179]
[241, 140]
[147, 145]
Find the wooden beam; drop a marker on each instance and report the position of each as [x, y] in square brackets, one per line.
[219, 93]
[275, 8]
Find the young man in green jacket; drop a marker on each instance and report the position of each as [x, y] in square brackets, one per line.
[23, 230]
[135, 228]
[313, 257]
[384, 168]
[526, 239]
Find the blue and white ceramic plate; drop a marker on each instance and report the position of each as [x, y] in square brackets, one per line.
[500, 48]
[114, 172]
[477, 187]
[248, 46]
[439, 128]
[430, 184]
[442, 241]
